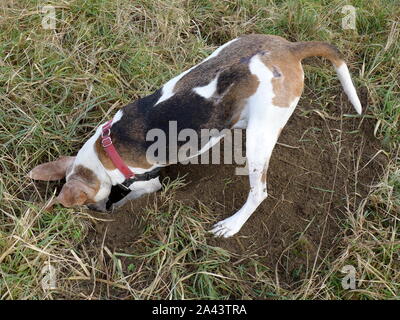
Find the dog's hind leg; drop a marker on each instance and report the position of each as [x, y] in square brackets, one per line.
[265, 124]
[261, 136]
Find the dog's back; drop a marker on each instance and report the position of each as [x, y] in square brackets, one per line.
[212, 94]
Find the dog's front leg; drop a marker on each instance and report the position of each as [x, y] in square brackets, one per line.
[139, 189]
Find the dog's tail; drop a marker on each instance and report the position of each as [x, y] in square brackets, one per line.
[322, 49]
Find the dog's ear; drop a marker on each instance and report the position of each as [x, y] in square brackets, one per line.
[54, 170]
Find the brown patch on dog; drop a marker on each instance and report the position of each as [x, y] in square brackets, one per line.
[237, 53]
[287, 81]
[289, 85]
[238, 95]
[74, 193]
[81, 188]
[89, 178]
[264, 176]
[264, 172]
[86, 175]
[138, 160]
[103, 157]
[236, 117]
[308, 49]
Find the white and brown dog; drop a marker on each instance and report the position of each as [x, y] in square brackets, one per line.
[252, 82]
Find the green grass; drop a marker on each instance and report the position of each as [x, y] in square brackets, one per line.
[57, 85]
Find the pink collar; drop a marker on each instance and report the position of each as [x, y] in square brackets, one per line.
[112, 152]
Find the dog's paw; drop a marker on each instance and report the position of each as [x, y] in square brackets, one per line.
[226, 228]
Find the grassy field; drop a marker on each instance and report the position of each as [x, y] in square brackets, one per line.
[57, 85]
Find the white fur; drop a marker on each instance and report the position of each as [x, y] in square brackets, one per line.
[264, 124]
[117, 116]
[348, 86]
[168, 89]
[139, 189]
[208, 90]
[219, 49]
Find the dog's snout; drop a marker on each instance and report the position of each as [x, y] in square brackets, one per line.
[100, 206]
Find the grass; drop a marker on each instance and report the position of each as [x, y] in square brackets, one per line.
[57, 85]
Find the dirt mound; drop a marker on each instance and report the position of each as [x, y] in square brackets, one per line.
[321, 167]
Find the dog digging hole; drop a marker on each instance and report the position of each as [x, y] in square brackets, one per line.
[313, 174]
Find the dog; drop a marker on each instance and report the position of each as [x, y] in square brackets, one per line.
[252, 82]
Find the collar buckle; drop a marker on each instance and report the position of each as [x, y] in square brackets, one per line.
[106, 142]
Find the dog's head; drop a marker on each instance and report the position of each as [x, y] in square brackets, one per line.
[82, 186]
